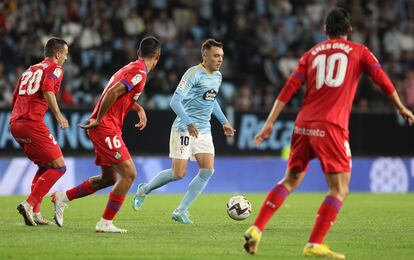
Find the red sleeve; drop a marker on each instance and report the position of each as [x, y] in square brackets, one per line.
[381, 79]
[53, 77]
[133, 78]
[373, 68]
[295, 80]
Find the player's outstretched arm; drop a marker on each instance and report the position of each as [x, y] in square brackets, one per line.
[267, 128]
[108, 100]
[404, 112]
[382, 80]
[52, 103]
[289, 89]
[141, 115]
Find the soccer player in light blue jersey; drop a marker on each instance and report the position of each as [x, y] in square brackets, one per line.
[194, 101]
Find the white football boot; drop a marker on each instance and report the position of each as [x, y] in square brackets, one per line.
[58, 199]
[26, 211]
[106, 226]
[42, 221]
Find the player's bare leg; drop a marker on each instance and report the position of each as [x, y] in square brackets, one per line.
[179, 166]
[338, 184]
[197, 185]
[273, 201]
[292, 179]
[338, 189]
[106, 179]
[128, 173]
[54, 170]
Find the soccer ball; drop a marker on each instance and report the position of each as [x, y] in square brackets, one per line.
[239, 208]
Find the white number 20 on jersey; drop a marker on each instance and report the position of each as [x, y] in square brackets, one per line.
[325, 68]
[30, 82]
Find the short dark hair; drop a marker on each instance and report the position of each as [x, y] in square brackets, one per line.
[338, 22]
[54, 45]
[207, 44]
[149, 46]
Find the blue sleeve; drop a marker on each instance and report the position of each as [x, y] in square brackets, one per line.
[187, 82]
[218, 113]
[177, 106]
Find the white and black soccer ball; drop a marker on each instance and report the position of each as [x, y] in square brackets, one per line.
[239, 208]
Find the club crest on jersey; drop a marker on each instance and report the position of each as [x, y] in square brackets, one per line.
[136, 79]
[118, 155]
[57, 72]
[210, 95]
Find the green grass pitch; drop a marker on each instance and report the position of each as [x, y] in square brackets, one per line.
[369, 227]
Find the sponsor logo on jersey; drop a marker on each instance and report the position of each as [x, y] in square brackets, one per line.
[118, 155]
[136, 96]
[308, 131]
[210, 95]
[57, 72]
[182, 84]
[136, 79]
[23, 140]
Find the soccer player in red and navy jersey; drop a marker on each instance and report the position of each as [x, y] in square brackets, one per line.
[105, 130]
[35, 92]
[331, 71]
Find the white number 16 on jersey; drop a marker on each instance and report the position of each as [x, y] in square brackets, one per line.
[325, 68]
[115, 142]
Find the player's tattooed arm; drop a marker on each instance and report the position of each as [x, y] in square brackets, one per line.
[52, 103]
[108, 100]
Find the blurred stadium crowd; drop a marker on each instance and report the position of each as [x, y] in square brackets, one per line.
[263, 40]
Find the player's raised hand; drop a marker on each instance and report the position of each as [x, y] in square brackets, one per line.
[407, 115]
[228, 130]
[63, 122]
[264, 133]
[90, 124]
[142, 120]
[192, 130]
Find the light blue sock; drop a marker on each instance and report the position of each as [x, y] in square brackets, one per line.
[162, 178]
[196, 187]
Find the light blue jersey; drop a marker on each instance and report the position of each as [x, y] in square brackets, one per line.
[199, 90]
